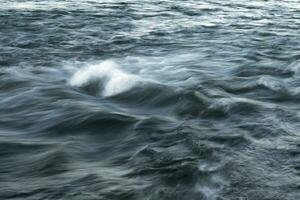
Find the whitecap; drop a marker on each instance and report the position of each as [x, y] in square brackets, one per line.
[112, 78]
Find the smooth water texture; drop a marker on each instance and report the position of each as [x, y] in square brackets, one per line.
[123, 99]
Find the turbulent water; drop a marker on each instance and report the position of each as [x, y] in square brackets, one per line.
[115, 99]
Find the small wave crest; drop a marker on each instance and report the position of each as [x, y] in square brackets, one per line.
[295, 67]
[106, 78]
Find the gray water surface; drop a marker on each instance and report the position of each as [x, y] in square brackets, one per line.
[115, 100]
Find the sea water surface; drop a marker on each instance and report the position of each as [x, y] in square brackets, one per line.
[149, 100]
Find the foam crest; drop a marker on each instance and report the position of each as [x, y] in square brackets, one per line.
[111, 78]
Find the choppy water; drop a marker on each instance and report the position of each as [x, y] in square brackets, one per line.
[150, 100]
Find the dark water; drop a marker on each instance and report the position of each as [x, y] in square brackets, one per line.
[187, 100]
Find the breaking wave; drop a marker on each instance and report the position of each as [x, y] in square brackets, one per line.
[106, 79]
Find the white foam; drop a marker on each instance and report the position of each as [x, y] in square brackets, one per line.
[114, 80]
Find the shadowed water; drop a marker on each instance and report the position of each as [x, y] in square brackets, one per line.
[195, 100]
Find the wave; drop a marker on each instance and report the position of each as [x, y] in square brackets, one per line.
[295, 67]
[33, 5]
[105, 79]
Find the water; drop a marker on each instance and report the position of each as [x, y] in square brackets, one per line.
[150, 99]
